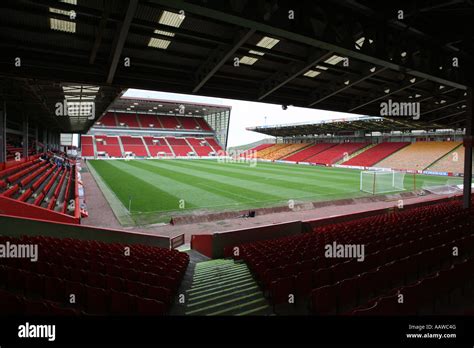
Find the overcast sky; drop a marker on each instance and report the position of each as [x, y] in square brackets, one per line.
[248, 114]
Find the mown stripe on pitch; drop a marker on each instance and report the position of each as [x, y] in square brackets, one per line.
[239, 193]
[296, 185]
[284, 188]
[145, 196]
[303, 172]
[182, 188]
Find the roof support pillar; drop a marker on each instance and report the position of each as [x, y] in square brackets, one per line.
[468, 138]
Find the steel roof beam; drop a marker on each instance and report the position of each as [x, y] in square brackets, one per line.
[116, 53]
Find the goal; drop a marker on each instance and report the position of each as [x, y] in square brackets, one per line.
[375, 182]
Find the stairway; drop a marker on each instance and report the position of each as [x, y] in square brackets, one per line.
[222, 287]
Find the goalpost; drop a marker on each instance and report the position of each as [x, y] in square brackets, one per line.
[375, 182]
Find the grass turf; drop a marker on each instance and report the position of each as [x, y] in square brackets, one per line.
[158, 189]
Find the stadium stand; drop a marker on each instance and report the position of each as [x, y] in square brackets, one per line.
[157, 145]
[214, 144]
[134, 145]
[403, 250]
[200, 146]
[87, 145]
[43, 184]
[103, 281]
[375, 154]
[188, 123]
[203, 124]
[302, 155]
[270, 149]
[109, 145]
[335, 153]
[419, 155]
[149, 121]
[453, 162]
[169, 122]
[127, 120]
[108, 120]
[279, 154]
[179, 145]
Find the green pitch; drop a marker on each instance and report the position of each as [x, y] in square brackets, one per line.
[154, 190]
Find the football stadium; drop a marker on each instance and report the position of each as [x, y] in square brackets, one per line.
[114, 205]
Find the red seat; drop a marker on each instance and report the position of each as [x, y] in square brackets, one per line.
[54, 289]
[121, 303]
[114, 283]
[35, 284]
[36, 307]
[135, 288]
[347, 293]
[324, 300]
[322, 277]
[97, 280]
[370, 309]
[11, 304]
[146, 306]
[303, 283]
[159, 293]
[367, 285]
[389, 305]
[96, 300]
[281, 289]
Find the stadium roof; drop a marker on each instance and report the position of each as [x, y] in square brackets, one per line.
[335, 55]
[366, 124]
[172, 107]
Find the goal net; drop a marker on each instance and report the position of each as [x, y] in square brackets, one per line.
[376, 182]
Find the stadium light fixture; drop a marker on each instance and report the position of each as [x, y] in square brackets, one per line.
[171, 19]
[359, 43]
[165, 33]
[257, 53]
[248, 60]
[158, 43]
[334, 60]
[372, 69]
[267, 42]
[312, 73]
[413, 80]
[67, 26]
[320, 67]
